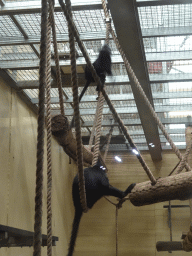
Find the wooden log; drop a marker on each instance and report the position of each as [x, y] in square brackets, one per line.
[61, 130]
[177, 187]
[169, 246]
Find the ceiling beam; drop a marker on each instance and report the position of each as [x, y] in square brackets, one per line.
[122, 97]
[180, 131]
[117, 80]
[91, 36]
[162, 32]
[150, 57]
[142, 3]
[137, 122]
[28, 7]
[34, 64]
[116, 59]
[126, 110]
[118, 148]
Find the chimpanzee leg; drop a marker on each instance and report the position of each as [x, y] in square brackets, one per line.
[112, 191]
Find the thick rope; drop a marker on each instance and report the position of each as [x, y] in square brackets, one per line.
[56, 56]
[40, 132]
[94, 126]
[98, 129]
[77, 114]
[100, 112]
[184, 159]
[116, 218]
[108, 142]
[49, 134]
[107, 20]
[97, 80]
[142, 93]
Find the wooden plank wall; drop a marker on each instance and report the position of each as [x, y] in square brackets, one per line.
[18, 132]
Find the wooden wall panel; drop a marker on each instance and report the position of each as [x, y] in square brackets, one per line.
[18, 133]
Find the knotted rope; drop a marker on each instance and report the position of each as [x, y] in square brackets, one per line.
[76, 114]
[40, 131]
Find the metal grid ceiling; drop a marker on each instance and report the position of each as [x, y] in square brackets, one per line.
[167, 41]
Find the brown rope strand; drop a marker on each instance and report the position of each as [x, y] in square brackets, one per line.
[49, 162]
[56, 57]
[94, 126]
[40, 133]
[108, 142]
[98, 129]
[77, 114]
[116, 218]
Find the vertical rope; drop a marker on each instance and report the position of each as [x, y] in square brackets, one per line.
[76, 114]
[108, 142]
[116, 218]
[98, 129]
[100, 111]
[40, 131]
[56, 57]
[94, 126]
[49, 162]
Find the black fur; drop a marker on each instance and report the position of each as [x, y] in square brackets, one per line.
[102, 66]
[96, 185]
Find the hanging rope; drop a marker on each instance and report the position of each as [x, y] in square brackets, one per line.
[116, 218]
[98, 129]
[40, 131]
[56, 56]
[49, 134]
[96, 78]
[76, 114]
[94, 126]
[108, 142]
[100, 112]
